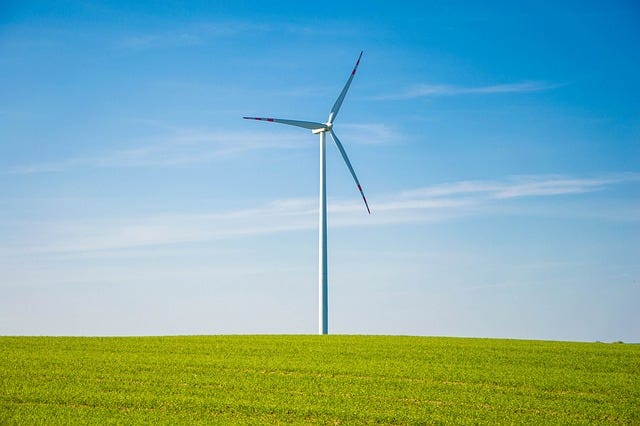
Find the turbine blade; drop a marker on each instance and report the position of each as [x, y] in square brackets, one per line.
[304, 124]
[338, 104]
[353, 173]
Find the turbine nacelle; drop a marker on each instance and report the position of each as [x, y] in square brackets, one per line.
[326, 128]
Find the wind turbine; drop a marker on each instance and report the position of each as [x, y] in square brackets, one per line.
[321, 129]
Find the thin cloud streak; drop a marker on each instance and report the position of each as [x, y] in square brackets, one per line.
[367, 133]
[208, 32]
[433, 203]
[185, 147]
[522, 186]
[190, 35]
[194, 146]
[430, 90]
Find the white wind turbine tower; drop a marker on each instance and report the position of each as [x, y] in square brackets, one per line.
[322, 129]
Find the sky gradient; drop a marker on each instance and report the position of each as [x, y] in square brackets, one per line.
[498, 145]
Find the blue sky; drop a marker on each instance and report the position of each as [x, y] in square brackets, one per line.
[498, 144]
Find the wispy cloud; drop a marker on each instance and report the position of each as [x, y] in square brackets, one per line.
[431, 90]
[187, 146]
[522, 186]
[432, 203]
[189, 35]
[203, 32]
[367, 133]
[183, 147]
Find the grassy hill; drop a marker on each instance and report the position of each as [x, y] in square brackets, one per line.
[315, 379]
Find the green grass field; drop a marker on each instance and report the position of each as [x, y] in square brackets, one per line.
[316, 379]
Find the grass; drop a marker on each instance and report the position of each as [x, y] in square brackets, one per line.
[316, 380]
